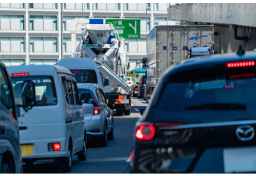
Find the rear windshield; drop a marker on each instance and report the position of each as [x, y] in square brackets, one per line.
[85, 76]
[86, 96]
[44, 87]
[209, 94]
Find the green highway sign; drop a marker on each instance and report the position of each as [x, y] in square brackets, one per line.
[126, 28]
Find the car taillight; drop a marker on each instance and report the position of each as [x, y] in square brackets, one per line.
[136, 88]
[75, 71]
[54, 147]
[129, 82]
[120, 96]
[96, 106]
[11, 113]
[141, 82]
[241, 64]
[20, 74]
[145, 132]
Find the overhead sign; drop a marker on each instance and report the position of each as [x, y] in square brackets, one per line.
[96, 21]
[126, 28]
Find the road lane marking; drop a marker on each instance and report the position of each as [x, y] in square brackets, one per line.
[136, 109]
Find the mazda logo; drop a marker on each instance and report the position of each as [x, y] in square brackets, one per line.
[245, 132]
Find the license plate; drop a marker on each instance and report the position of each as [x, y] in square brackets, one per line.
[240, 159]
[26, 149]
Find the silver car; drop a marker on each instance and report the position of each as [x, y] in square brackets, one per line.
[98, 117]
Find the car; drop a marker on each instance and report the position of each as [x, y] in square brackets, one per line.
[10, 151]
[129, 81]
[201, 118]
[141, 86]
[51, 121]
[98, 116]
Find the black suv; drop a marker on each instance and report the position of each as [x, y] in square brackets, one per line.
[201, 119]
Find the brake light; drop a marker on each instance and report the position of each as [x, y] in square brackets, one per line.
[136, 88]
[75, 71]
[96, 110]
[241, 64]
[141, 82]
[120, 96]
[211, 47]
[20, 74]
[56, 147]
[241, 75]
[145, 132]
[129, 82]
[228, 87]
[11, 113]
[96, 131]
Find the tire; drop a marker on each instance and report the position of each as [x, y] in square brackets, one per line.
[111, 134]
[83, 153]
[5, 168]
[66, 163]
[104, 139]
[127, 112]
[119, 112]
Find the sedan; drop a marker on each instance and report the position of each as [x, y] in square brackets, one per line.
[98, 117]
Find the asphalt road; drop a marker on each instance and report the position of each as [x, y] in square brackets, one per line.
[110, 159]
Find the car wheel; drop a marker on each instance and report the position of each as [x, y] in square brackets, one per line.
[66, 162]
[111, 134]
[119, 112]
[83, 153]
[5, 168]
[104, 139]
[127, 112]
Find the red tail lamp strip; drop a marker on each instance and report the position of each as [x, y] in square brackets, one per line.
[228, 87]
[20, 74]
[245, 75]
[241, 64]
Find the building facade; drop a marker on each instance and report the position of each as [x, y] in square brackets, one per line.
[30, 33]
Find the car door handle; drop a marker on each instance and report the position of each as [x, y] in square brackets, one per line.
[2, 130]
[23, 128]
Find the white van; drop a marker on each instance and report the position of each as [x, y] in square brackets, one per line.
[51, 115]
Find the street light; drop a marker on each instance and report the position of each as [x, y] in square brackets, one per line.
[146, 29]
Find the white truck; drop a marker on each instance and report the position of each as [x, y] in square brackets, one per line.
[171, 44]
[108, 52]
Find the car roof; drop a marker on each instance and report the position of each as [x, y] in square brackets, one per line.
[210, 60]
[77, 63]
[38, 69]
[87, 86]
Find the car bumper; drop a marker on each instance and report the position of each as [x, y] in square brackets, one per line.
[40, 148]
[94, 124]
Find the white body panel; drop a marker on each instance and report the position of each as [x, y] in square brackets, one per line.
[57, 123]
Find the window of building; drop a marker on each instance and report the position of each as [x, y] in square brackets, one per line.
[43, 23]
[76, 6]
[162, 6]
[43, 61]
[43, 44]
[43, 5]
[136, 6]
[135, 45]
[67, 48]
[12, 44]
[9, 62]
[145, 24]
[12, 22]
[163, 21]
[155, 6]
[12, 5]
[106, 6]
[67, 23]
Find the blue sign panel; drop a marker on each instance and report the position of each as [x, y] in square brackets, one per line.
[96, 21]
[175, 48]
[164, 47]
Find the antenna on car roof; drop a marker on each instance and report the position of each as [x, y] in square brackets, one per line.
[240, 51]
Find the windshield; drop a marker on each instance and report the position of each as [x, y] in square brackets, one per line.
[128, 79]
[86, 96]
[85, 76]
[211, 89]
[44, 89]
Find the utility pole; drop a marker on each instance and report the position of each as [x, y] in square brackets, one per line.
[61, 30]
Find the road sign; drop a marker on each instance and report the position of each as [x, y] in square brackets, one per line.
[126, 28]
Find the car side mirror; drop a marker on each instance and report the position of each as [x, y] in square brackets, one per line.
[28, 94]
[142, 111]
[106, 82]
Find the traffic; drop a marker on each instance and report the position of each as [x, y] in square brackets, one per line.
[195, 109]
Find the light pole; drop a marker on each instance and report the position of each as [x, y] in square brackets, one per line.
[146, 27]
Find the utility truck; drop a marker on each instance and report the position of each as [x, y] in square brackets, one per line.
[171, 44]
[99, 43]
